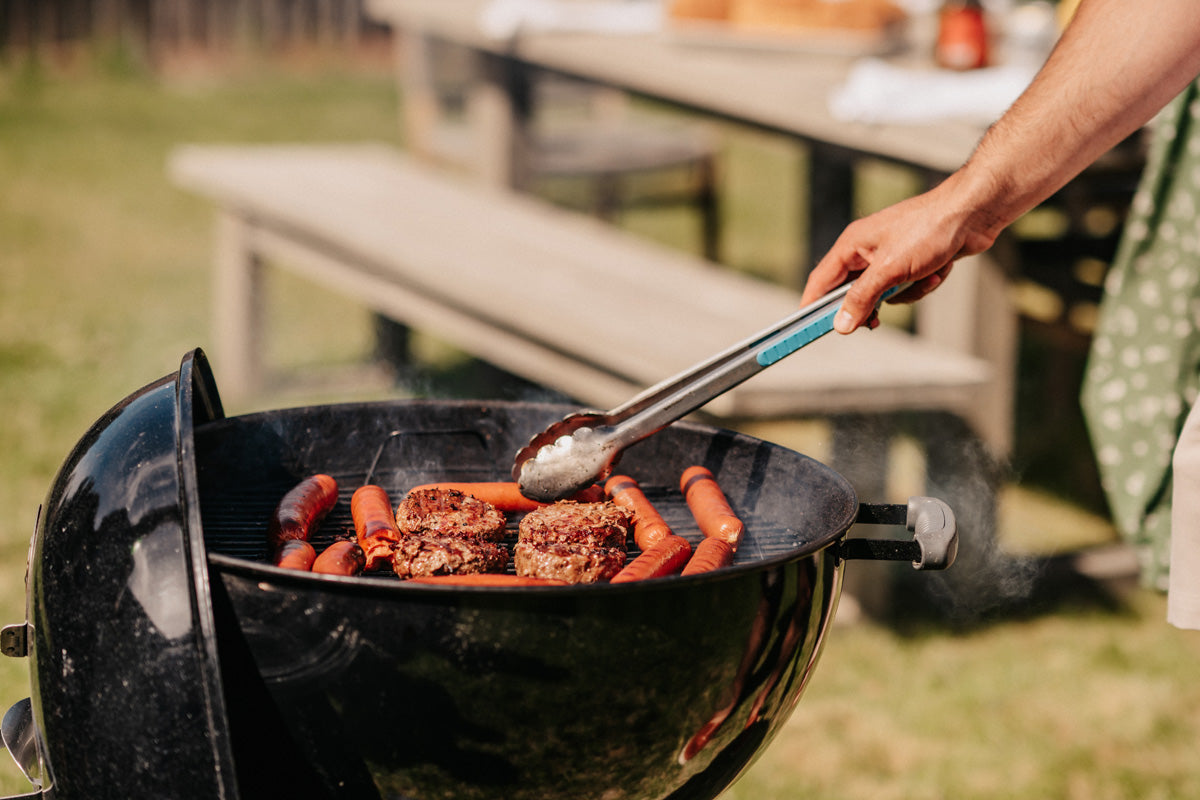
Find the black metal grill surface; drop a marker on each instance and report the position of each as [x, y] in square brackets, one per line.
[246, 464]
[237, 525]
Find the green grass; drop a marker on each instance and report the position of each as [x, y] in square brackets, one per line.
[104, 284]
[104, 267]
[1081, 704]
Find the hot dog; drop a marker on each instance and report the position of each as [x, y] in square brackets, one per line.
[302, 509]
[710, 554]
[295, 554]
[506, 495]
[648, 525]
[665, 557]
[343, 557]
[710, 508]
[374, 524]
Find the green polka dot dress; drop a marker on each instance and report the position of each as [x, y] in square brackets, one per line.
[1144, 366]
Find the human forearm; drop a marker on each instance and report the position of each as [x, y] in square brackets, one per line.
[1117, 64]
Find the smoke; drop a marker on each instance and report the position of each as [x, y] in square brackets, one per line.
[952, 465]
[985, 578]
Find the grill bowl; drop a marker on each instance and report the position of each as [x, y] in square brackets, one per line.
[662, 689]
[169, 658]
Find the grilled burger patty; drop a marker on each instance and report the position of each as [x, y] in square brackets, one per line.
[591, 524]
[573, 542]
[449, 512]
[421, 556]
[574, 563]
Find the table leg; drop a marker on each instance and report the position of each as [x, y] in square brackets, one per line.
[500, 112]
[830, 202]
[421, 109]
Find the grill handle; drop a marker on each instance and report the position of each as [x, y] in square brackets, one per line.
[935, 533]
[20, 738]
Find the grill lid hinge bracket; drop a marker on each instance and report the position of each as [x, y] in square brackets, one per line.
[14, 640]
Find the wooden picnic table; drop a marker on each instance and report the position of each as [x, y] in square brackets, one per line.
[780, 91]
[775, 89]
[771, 89]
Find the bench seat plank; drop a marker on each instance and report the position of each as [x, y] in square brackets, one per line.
[552, 295]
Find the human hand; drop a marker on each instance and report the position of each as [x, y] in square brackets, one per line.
[915, 241]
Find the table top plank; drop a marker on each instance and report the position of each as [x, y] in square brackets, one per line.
[778, 90]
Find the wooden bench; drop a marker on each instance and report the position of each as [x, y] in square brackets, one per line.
[553, 296]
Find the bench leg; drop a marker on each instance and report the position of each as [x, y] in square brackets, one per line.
[859, 445]
[859, 449]
[392, 344]
[708, 207]
[606, 199]
[238, 312]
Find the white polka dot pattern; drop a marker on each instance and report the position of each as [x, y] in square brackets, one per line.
[1144, 365]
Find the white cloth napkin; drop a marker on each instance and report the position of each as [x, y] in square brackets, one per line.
[879, 92]
[504, 18]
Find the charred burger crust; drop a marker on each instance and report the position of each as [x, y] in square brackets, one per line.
[449, 512]
[605, 525]
[420, 556]
[571, 562]
[573, 542]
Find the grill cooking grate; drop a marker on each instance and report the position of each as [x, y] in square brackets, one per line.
[235, 524]
[245, 465]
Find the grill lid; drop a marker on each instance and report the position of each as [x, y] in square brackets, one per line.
[126, 681]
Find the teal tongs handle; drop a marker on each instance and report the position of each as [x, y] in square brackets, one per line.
[675, 397]
[583, 447]
[813, 326]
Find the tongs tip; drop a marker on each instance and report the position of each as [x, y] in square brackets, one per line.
[566, 457]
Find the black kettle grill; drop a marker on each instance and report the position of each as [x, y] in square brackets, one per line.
[169, 659]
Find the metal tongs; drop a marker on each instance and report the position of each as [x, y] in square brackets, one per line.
[583, 447]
